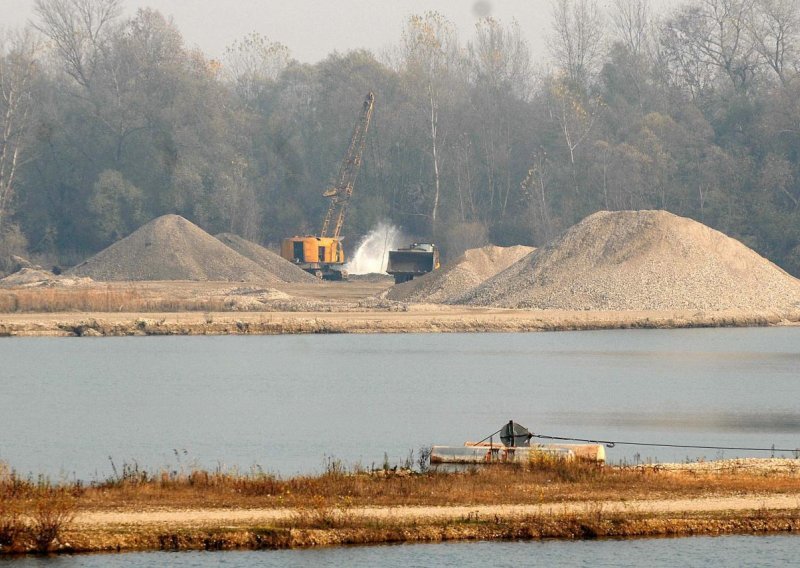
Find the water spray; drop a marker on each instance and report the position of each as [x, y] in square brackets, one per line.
[372, 254]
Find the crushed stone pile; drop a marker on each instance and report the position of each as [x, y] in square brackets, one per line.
[274, 263]
[171, 248]
[450, 283]
[38, 277]
[641, 260]
[25, 276]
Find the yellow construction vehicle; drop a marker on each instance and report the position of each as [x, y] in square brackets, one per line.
[323, 255]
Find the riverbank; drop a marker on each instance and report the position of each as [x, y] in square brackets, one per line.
[222, 308]
[220, 511]
[417, 319]
[593, 520]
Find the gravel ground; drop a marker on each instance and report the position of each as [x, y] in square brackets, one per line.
[172, 248]
[640, 260]
[766, 466]
[469, 270]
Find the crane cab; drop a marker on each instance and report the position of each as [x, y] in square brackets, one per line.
[320, 256]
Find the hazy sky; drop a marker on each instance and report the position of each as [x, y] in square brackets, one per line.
[314, 28]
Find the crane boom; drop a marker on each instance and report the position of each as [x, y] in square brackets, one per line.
[342, 191]
[323, 255]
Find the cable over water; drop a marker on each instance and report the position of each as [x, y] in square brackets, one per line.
[612, 443]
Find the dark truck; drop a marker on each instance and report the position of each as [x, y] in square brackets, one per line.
[415, 260]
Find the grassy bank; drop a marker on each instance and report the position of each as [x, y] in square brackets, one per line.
[573, 526]
[140, 510]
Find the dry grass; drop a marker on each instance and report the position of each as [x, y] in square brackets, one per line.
[33, 514]
[108, 299]
[323, 509]
[544, 482]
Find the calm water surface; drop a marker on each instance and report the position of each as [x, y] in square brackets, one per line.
[690, 552]
[285, 402]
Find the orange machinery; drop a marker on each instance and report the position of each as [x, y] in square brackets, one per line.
[323, 255]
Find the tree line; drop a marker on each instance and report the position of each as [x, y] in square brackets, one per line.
[109, 121]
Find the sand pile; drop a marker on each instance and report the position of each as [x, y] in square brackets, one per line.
[450, 283]
[171, 248]
[641, 260]
[275, 264]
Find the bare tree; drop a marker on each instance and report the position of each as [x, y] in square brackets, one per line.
[577, 40]
[501, 68]
[632, 26]
[18, 67]
[631, 23]
[576, 116]
[711, 37]
[501, 56]
[250, 62]
[430, 47]
[77, 29]
[775, 27]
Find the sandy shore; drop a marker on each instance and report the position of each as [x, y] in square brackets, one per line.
[206, 529]
[418, 319]
[256, 517]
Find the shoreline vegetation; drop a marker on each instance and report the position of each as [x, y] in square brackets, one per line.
[136, 510]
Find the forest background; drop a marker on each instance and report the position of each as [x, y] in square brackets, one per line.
[109, 121]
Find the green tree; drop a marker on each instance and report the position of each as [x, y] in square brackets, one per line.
[117, 205]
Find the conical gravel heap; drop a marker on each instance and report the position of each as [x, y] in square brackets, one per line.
[171, 248]
[641, 260]
[455, 279]
[275, 264]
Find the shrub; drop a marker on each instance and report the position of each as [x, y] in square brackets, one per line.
[12, 242]
[53, 511]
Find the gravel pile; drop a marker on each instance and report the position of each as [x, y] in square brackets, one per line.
[171, 248]
[38, 277]
[450, 283]
[26, 276]
[640, 260]
[265, 258]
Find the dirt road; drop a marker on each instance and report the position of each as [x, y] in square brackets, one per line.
[251, 517]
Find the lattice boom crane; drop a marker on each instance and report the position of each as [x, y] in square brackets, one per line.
[342, 191]
[323, 255]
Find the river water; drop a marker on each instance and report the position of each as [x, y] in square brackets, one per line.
[71, 407]
[689, 552]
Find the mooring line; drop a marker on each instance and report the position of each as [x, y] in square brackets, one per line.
[611, 444]
[490, 436]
